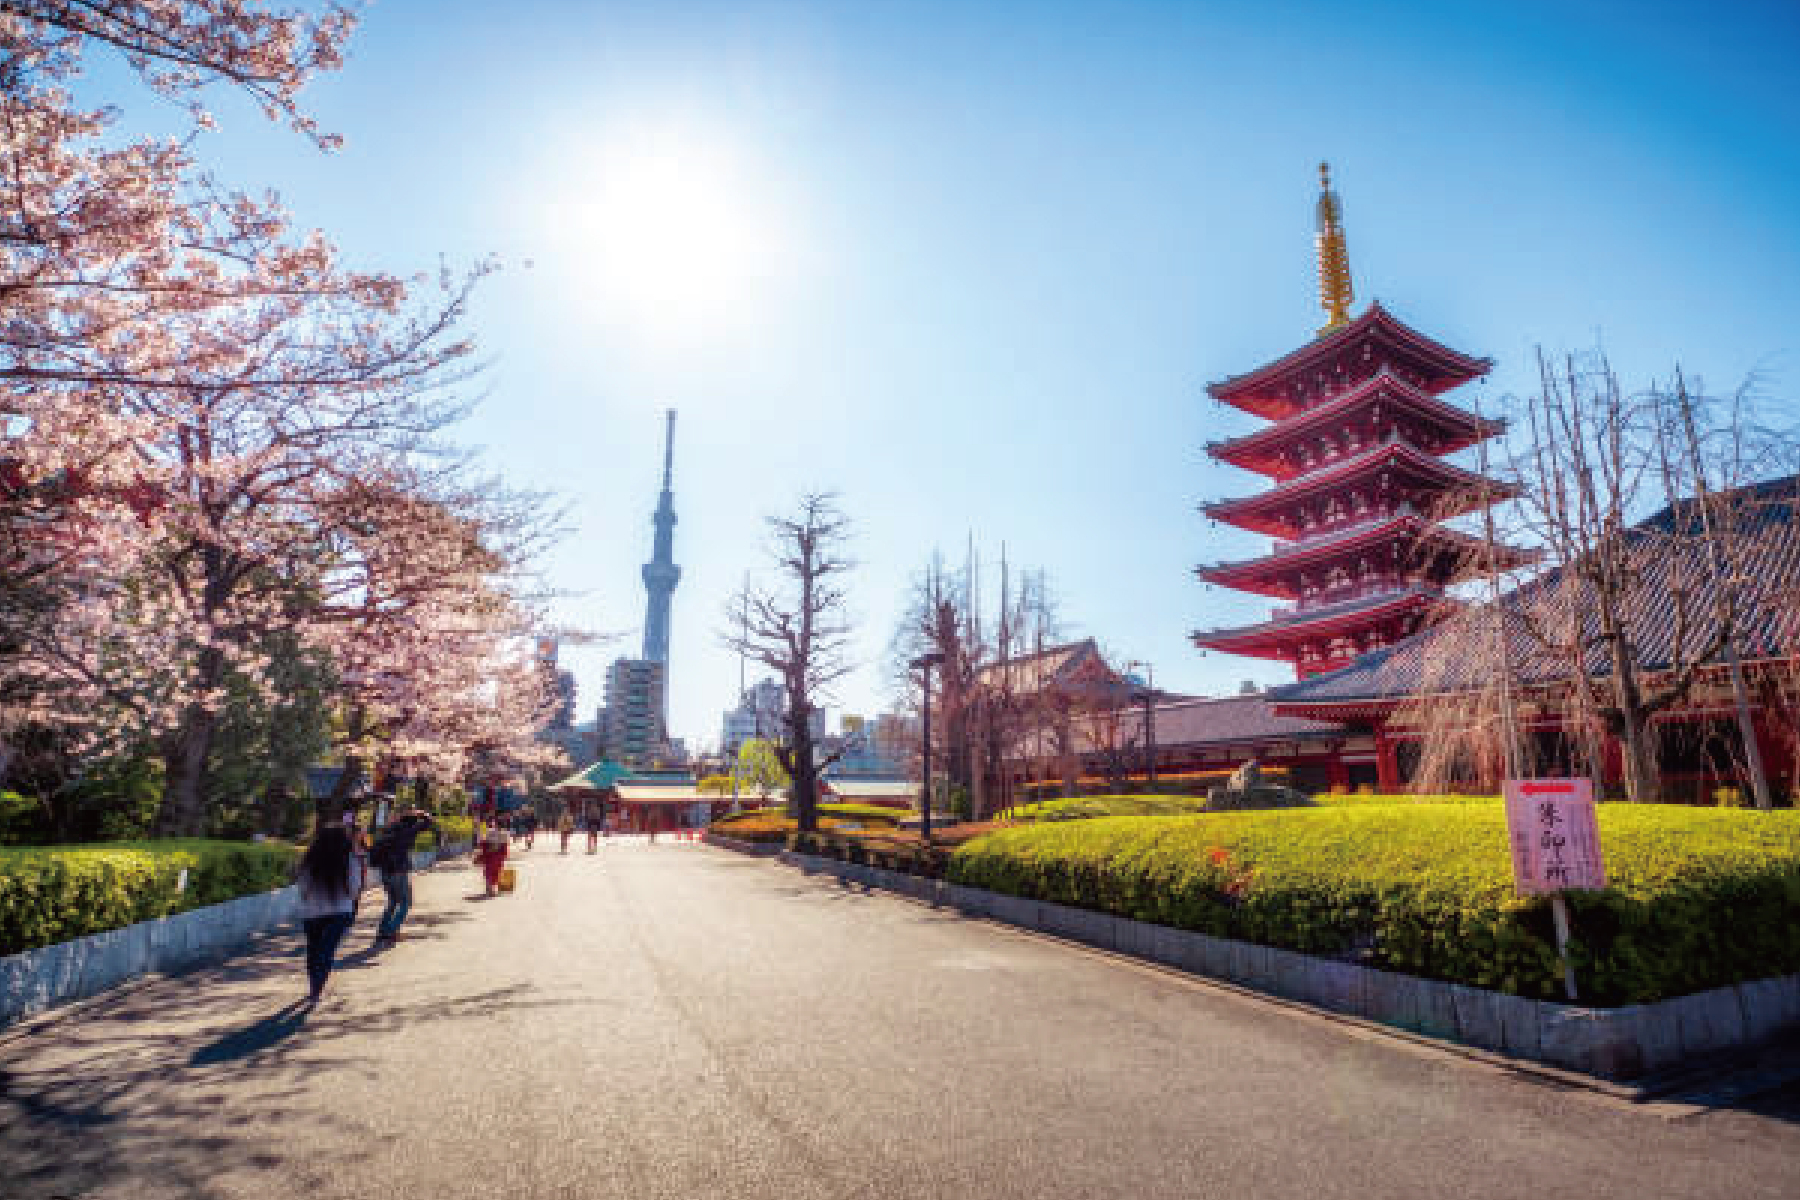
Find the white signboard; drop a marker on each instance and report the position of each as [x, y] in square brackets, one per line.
[1555, 835]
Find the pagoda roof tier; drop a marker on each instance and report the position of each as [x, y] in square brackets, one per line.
[1279, 637]
[1277, 390]
[1443, 553]
[1270, 512]
[1261, 451]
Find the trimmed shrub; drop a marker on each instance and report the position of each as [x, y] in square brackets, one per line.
[1699, 898]
[867, 814]
[23, 821]
[1089, 807]
[770, 825]
[774, 824]
[54, 893]
[454, 831]
[1366, 799]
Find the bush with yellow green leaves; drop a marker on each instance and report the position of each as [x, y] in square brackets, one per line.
[1698, 898]
[51, 894]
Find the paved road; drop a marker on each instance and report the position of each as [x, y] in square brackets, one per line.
[678, 1021]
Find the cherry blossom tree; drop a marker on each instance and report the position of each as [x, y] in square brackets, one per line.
[216, 433]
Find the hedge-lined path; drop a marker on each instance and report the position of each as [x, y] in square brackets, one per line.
[672, 1020]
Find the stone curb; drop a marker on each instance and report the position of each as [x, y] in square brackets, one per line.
[754, 849]
[36, 980]
[1609, 1045]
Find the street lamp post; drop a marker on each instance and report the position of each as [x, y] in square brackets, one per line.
[1147, 694]
[923, 664]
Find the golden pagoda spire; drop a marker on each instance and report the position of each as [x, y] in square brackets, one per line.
[1335, 293]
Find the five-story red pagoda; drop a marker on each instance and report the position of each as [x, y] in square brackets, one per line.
[1356, 454]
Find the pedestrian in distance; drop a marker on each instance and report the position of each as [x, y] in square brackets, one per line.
[359, 850]
[493, 857]
[330, 877]
[392, 856]
[530, 822]
[565, 825]
[594, 822]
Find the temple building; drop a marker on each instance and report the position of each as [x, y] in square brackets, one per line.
[1401, 681]
[1434, 688]
[1359, 431]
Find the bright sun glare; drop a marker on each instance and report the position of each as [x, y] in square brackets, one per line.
[682, 239]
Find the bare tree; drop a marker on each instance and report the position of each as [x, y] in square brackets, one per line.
[940, 620]
[1632, 617]
[1007, 712]
[1111, 738]
[800, 629]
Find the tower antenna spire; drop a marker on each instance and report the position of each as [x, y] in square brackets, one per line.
[669, 450]
[660, 573]
[1335, 292]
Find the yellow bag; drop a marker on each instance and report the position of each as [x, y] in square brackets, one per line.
[508, 877]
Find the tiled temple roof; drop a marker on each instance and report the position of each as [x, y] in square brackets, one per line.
[1249, 450]
[1248, 512]
[1254, 390]
[1421, 537]
[1287, 625]
[1437, 660]
[1188, 721]
[1232, 719]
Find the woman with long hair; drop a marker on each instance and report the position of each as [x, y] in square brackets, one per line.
[331, 878]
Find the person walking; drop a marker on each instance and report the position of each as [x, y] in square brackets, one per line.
[493, 857]
[330, 877]
[596, 820]
[359, 850]
[392, 856]
[565, 825]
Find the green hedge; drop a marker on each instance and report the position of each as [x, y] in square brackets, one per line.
[864, 814]
[1698, 898]
[1088, 807]
[1361, 800]
[455, 831]
[54, 893]
[773, 825]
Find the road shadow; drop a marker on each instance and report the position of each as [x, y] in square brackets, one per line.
[178, 1084]
[278, 1026]
[170, 1085]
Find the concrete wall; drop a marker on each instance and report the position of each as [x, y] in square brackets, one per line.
[1613, 1043]
[51, 975]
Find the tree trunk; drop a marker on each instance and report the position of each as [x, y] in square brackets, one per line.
[182, 812]
[802, 772]
[332, 808]
[1631, 722]
[1065, 753]
[185, 750]
[1638, 763]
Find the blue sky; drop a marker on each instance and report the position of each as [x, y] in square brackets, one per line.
[971, 265]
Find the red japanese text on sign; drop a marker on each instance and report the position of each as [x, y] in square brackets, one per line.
[1555, 835]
